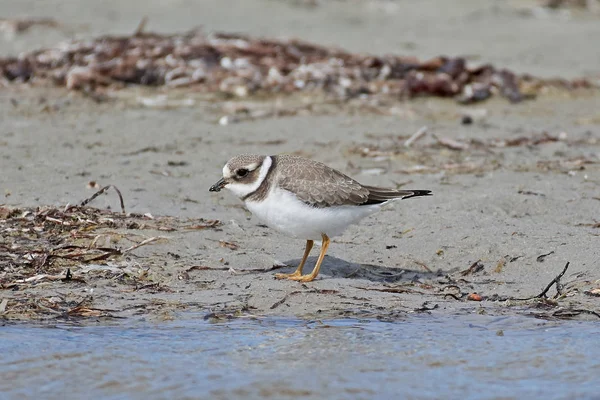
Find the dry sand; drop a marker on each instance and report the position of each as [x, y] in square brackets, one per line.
[501, 206]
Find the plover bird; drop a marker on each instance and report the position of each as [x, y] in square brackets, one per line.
[304, 199]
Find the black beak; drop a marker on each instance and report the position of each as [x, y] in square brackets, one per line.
[218, 186]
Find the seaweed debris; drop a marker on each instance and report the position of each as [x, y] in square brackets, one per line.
[239, 66]
[38, 242]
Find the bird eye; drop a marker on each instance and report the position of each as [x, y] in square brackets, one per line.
[242, 172]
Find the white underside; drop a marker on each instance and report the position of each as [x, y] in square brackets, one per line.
[282, 211]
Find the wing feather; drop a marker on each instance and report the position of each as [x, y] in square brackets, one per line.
[318, 185]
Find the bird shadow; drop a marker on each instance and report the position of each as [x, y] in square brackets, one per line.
[338, 268]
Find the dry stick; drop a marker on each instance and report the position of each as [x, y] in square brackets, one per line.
[576, 311]
[295, 292]
[246, 271]
[268, 269]
[422, 264]
[144, 242]
[280, 302]
[451, 143]
[101, 191]
[395, 289]
[102, 256]
[556, 281]
[475, 267]
[93, 243]
[3, 305]
[416, 136]
[139, 31]
[47, 309]
[40, 277]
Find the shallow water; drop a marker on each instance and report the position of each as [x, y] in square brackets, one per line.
[419, 358]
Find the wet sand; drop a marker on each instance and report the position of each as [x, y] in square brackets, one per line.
[504, 206]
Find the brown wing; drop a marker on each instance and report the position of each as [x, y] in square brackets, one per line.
[318, 185]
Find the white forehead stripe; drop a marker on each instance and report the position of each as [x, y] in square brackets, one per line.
[244, 189]
[226, 172]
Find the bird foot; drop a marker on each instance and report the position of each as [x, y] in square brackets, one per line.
[291, 276]
[301, 278]
[305, 278]
[296, 276]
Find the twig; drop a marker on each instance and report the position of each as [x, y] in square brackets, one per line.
[422, 264]
[475, 267]
[295, 292]
[268, 269]
[451, 143]
[206, 268]
[102, 256]
[209, 224]
[542, 257]
[246, 271]
[47, 309]
[395, 289]
[58, 221]
[3, 305]
[556, 281]
[139, 31]
[93, 243]
[40, 277]
[574, 312]
[101, 191]
[415, 136]
[142, 243]
[280, 302]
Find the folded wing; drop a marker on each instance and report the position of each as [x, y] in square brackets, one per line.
[321, 186]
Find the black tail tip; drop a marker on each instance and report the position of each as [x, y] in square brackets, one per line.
[417, 193]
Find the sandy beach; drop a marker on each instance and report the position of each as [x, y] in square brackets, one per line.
[516, 190]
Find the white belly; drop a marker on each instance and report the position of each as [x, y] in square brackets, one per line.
[283, 212]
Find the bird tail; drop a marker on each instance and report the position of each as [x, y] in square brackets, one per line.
[417, 193]
[381, 195]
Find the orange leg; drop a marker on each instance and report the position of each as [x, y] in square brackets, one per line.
[315, 272]
[298, 272]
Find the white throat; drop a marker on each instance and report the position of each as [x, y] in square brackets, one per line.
[242, 190]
